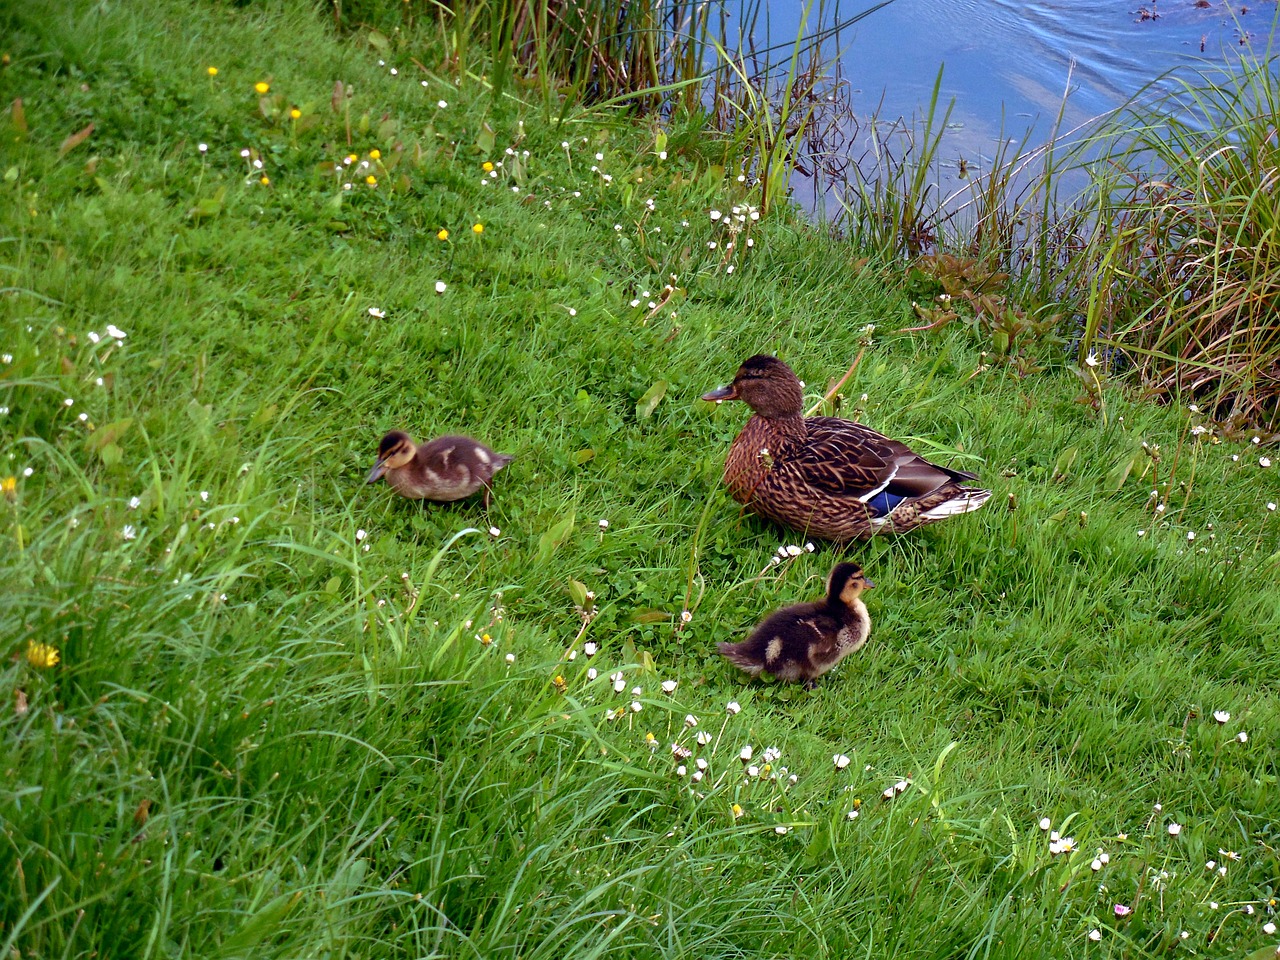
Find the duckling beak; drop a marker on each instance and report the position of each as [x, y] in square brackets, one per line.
[867, 584]
[378, 470]
[722, 393]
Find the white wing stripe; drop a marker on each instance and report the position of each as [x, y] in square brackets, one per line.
[880, 489]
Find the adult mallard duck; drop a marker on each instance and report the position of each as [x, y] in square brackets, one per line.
[804, 641]
[448, 468]
[827, 477]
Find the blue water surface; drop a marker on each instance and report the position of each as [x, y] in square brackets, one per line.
[1011, 67]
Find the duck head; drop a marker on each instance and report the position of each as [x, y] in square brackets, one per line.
[394, 451]
[765, 384]
[846, 583]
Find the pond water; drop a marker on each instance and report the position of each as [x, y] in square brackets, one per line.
[1009, 64]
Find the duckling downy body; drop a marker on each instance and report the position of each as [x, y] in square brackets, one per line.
[828, 477]
[804, 641]
[448, 468]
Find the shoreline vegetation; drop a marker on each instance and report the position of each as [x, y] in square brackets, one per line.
[250, 706]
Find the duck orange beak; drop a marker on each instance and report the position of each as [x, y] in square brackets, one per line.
[722, 393]
[378, 470]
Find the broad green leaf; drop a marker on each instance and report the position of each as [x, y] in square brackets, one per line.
[265, 923]
[1065, 460]
[1000, 341]
[111, 454]
[109, 434]
[347, 880]
[555, 536]
[583, 456]
[1120, 472]
[208, 206]
[652, 397]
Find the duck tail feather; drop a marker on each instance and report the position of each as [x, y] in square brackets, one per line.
[966, 500]
[734, 653]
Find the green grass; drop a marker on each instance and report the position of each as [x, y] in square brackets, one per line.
[267, 736]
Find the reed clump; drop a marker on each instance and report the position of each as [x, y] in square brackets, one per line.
[1187, 212]
[1162, 261]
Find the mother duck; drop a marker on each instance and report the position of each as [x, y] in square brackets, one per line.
[829, 478]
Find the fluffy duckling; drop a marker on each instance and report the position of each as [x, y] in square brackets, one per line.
[828, 477]
[448, 468]
[804, 641]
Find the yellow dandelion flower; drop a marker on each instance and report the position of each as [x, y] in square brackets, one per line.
[736, 810]
[41, 655]
[351, 158]
[213, 71]
[265, 181]
[486, 639]
[443, 234]
[375, 154]
[262, 86]
[295, 113]
[487, 167]
[371, 180]
[9, 487]
[478, 228]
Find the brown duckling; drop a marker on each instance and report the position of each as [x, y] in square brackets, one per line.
[804, 641]
[447, 468]
[828, 477]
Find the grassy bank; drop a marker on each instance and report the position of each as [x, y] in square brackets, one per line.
[293, 715]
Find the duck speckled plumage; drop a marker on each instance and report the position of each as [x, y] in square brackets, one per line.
[448, 468]
[826, 477]
[804, 641]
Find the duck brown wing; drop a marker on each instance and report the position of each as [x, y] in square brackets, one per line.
[847, 459]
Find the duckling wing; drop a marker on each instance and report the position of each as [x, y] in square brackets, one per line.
[826, 628]
[845, 459]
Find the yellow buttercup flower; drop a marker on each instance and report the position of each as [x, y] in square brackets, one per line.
[9, 487]
[371, 180]
[265, 181]
[442, 235]
[487, 167]
[375, 154]
[41, 655]
[295, 113]
[478, 228]
[262, 86]
[213, 71]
